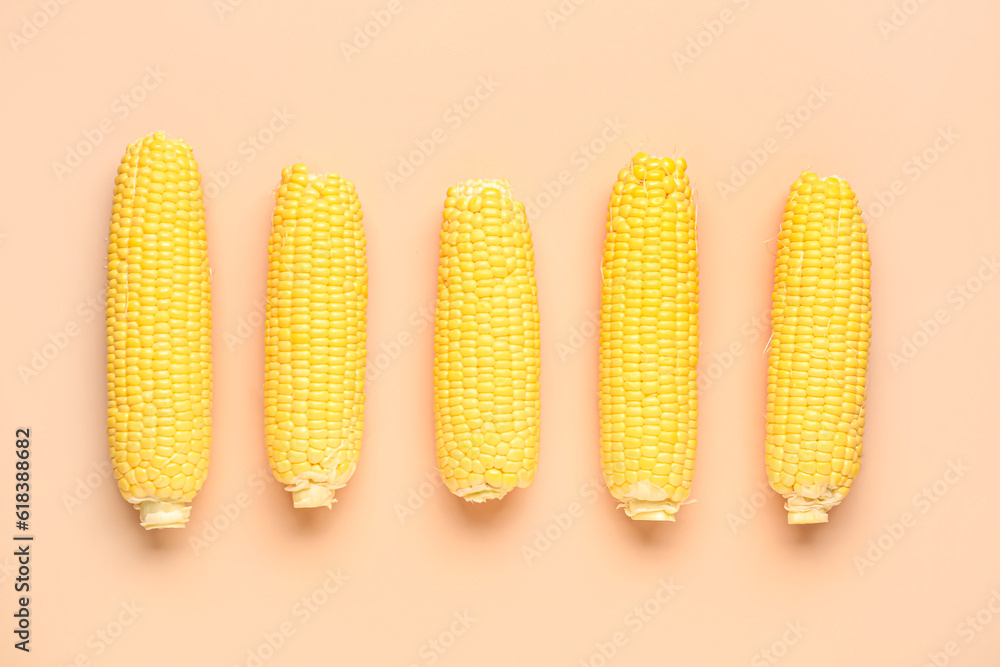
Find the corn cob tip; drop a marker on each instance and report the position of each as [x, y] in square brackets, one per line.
[324, 182]
[154, 514]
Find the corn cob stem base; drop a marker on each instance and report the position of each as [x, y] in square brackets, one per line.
[646, 501]
[155, 513]
[313, 489]
[481, 493]
[650, 512]
[811, 505]
[817, 515]
[313, 495]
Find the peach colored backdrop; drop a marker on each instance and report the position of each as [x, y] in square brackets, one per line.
[898, 96]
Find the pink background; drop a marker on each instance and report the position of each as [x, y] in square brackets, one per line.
[864, 589]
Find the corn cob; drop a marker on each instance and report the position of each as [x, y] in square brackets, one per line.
[317, 293]
[820, 317]
[649, 339]
[159, 331]
[486, 344]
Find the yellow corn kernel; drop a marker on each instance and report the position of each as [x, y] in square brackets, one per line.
[317, 294]
[486, 344]
[649, 339]
[820, 317]
[159, 325]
